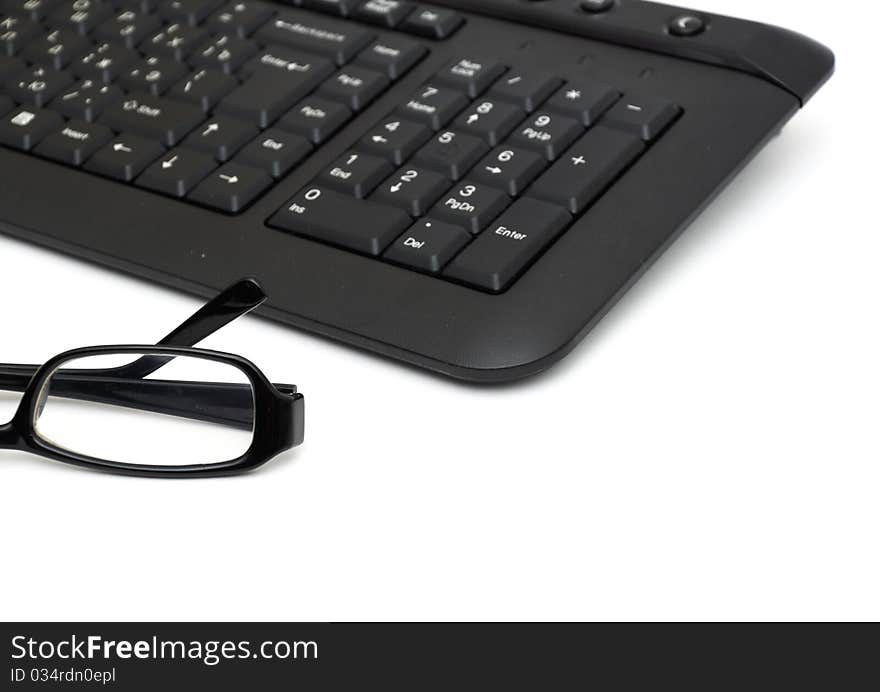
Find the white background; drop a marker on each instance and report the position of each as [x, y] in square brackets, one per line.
[710, 452]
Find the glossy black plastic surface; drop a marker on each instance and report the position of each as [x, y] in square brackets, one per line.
[275, 413]
[737, 82]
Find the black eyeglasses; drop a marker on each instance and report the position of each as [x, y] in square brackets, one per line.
[163, 410]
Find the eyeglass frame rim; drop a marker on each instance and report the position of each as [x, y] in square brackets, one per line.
[278, 417]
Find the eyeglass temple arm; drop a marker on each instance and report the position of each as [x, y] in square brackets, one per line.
[235, 301]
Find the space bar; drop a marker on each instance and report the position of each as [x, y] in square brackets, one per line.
[323, 214]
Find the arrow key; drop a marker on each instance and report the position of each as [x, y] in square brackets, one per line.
[413, 189]
[221, 137]
[509, 168]
[125, 157]
[396, 139]
[178, 172]
[231, 188]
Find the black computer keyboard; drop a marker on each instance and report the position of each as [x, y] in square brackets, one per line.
[436, 144]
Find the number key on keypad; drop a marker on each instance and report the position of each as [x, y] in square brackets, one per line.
[451, 153]
[333, 217]
[547, 133]
[509, 168]
[490, 120]
[470, 205]
[434, 105]
[413, 189]
[428, 245]
[396, 139]
[356, 173]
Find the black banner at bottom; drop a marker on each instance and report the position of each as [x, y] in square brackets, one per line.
[276, 656]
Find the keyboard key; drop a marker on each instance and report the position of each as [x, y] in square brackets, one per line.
[192, 12]
[176, 41]
[275, 152]
[165, 121]
[268, 93]
[125, 157]
[204, 88]
[223, 52]
[354, 86]
[320, 213]
[547, 133]
[336, 40]
[413, 189]
[645, 118]
[490, 120]
[25, 127]
[592, 164]
[471, 205]
[32, 9]
[177, 172]
[288, 61]
[584, 101]
[509, 245]
[86, 99]
[357, 174]
[153, 74]
[528, 90]
[388, 13]
[82, 16]
[240, 18]
[6, 104]
[433, 23]
[510, 169]
[452, 153]
[36, 86]
[128, 28]
[435, 106]
[74, 142]
[316, 119]
[104, 63]
[56, 49]
[221, 137]
[428, 245]
[231, 188]
[341, 8]
[472, 76]
[395, 139]
[15, 33]
[391, 55]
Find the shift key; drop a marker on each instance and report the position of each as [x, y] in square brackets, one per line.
[360, 225]
[154, 118]
[508, 246]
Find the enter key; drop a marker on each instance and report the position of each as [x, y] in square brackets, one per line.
[507, 247]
